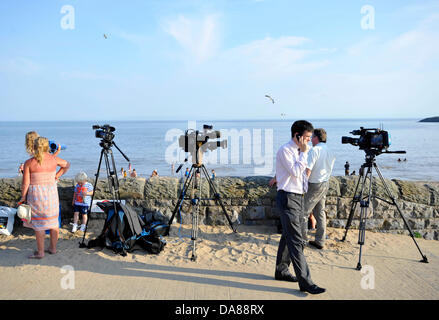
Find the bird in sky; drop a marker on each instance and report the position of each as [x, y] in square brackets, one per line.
[105, 36]
[272, 100]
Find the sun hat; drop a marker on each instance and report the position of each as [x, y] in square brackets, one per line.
[24, 212]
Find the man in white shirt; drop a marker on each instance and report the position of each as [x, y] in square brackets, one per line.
[291, 179]
[320, 164]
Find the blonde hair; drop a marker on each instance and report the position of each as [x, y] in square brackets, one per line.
[41, 146]
[81, 177]
[29, 142]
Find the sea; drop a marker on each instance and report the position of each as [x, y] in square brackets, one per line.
[250, 151]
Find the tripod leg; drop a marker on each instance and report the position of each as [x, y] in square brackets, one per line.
[217, 197]
[195, 217]
[364, 204]
[114, 178]
[389, 194]
[194, 235]
[181, 197]
[355, 200]
[194, 232]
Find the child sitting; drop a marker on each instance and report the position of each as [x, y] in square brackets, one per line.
[81, 200]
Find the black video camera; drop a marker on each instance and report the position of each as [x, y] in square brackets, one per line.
[104, 132]
[193, 139]
[369, 139]
[197, 142]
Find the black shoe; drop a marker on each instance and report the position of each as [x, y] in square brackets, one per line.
[315, 244]
[285, 277]
[314, 289]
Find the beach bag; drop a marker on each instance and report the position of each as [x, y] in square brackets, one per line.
[7, 217]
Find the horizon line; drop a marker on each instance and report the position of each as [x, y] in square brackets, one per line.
[237, 119]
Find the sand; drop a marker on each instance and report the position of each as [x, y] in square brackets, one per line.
[229, 266]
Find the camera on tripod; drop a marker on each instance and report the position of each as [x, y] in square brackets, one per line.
[196, 142]
[104, 132]
[374, 142]
[369, 139]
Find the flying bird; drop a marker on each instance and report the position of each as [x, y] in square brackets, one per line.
[272, 100]
[105, 36]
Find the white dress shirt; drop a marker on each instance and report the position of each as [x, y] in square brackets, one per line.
[290, 168]
[320, 161]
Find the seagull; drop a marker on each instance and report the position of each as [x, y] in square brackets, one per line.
[269, 98]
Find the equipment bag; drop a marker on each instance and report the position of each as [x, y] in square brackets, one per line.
[120, 230]
[124, 229]
[151, 243]
[157, 228]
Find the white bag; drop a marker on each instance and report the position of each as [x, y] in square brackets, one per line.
[7, 216]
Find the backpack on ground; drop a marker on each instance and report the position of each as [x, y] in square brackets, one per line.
[120, 230]
[151, 239]
[150, 242]
[125, 229]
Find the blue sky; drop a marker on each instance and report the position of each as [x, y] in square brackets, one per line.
[199, 59]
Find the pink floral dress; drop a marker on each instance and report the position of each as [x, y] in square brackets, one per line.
[42, 196]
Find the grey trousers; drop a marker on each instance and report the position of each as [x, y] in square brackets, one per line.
[315, 200]
[291, 243]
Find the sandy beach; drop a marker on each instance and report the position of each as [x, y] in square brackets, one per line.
[230, 266]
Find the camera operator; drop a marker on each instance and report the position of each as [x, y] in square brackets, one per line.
[291, 179]
[320, 164]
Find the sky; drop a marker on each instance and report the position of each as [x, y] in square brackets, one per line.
[200, 59]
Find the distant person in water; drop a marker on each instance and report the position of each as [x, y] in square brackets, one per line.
[346, 169]
[353, 173]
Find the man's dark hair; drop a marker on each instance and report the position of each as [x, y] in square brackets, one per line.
[300, 126]
[320, 134]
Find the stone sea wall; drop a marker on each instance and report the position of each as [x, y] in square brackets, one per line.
[252, 201]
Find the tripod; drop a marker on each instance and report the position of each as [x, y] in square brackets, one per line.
[364, 204]
[113, 182]
[195, 201]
